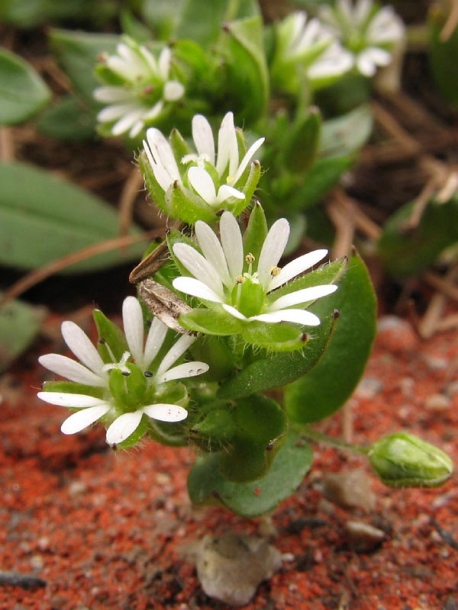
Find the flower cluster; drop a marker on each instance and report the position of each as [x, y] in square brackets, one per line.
[311, 46]
[124, 393]
[244, 285]
[138, 88]
[205, 179]
[368, 31]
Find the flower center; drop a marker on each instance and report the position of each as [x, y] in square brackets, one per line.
[248, 295]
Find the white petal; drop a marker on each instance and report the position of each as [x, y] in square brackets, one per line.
[76, 401]
[202, 135]
[132, 317]
[82, 419]
[72, 370]
[136, 128]
[164, 62]
[175, 352]
[200, 268]
[213, 252]
[227, 192]
[154, 341]
[298, 316]
[112, 94]
[234, 312]
[164, 412]
[196, 288]
[232, 243]
[154, 111]
[201, 182]
[82, 347]
[162, 153]
[127, 121]
[272, 250]
[295, 267]
[247, 158]
[362, 10]
[173, 91]
[182, 371]
[123, 426]
[305, 295]
[227, 146]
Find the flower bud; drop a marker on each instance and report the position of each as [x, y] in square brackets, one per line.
[403, 460]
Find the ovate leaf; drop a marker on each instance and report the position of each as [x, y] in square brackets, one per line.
[43, 218]
[206, 484]
[22, 91]
[331, 382]
[19, 325]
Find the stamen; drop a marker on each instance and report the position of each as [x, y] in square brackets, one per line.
[240, 279]
[250, 258]
[275, 271]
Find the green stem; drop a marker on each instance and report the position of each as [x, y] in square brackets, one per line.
[319, 437]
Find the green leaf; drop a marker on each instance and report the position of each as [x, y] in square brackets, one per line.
[78, 54]
[322, 176]
[22, 91]
[43, 218]
[202, 21]
[206, 484]
[329, 384]
[260, 426]
[19, 325]
[68, 120]
[406, 250]
[245, 64]
[302, 142]
[442, 54]
[348, 133]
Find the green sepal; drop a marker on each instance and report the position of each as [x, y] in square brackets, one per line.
[182, 204]
[128, 391]
[111, 338]
[155, 190]
[207, 486]
[179, 145]
[327, 387]
[71, 387]
[280, 337]
[249, 188]
[256, 232]
[274, 370]
[211, 321]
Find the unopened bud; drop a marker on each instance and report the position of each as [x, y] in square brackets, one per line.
[403, 460]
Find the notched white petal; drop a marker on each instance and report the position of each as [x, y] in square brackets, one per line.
[165, 412]
[81, 346]
[182, 371]
[82, 419]
[66, 399]
[72, 370]
[123, 427]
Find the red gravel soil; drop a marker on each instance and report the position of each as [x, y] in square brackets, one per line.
[107, 530]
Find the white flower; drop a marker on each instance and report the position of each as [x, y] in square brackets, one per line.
[312, 44]
[146, 89]
[367, 31]
[219, 276]
[92, 371]
[213, 177]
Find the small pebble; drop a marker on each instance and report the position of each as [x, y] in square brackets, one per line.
[368, 387]
[435, 363]
[350, 489]
[231, 567]
[437, 402]
[396, 335]
[363, 537]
